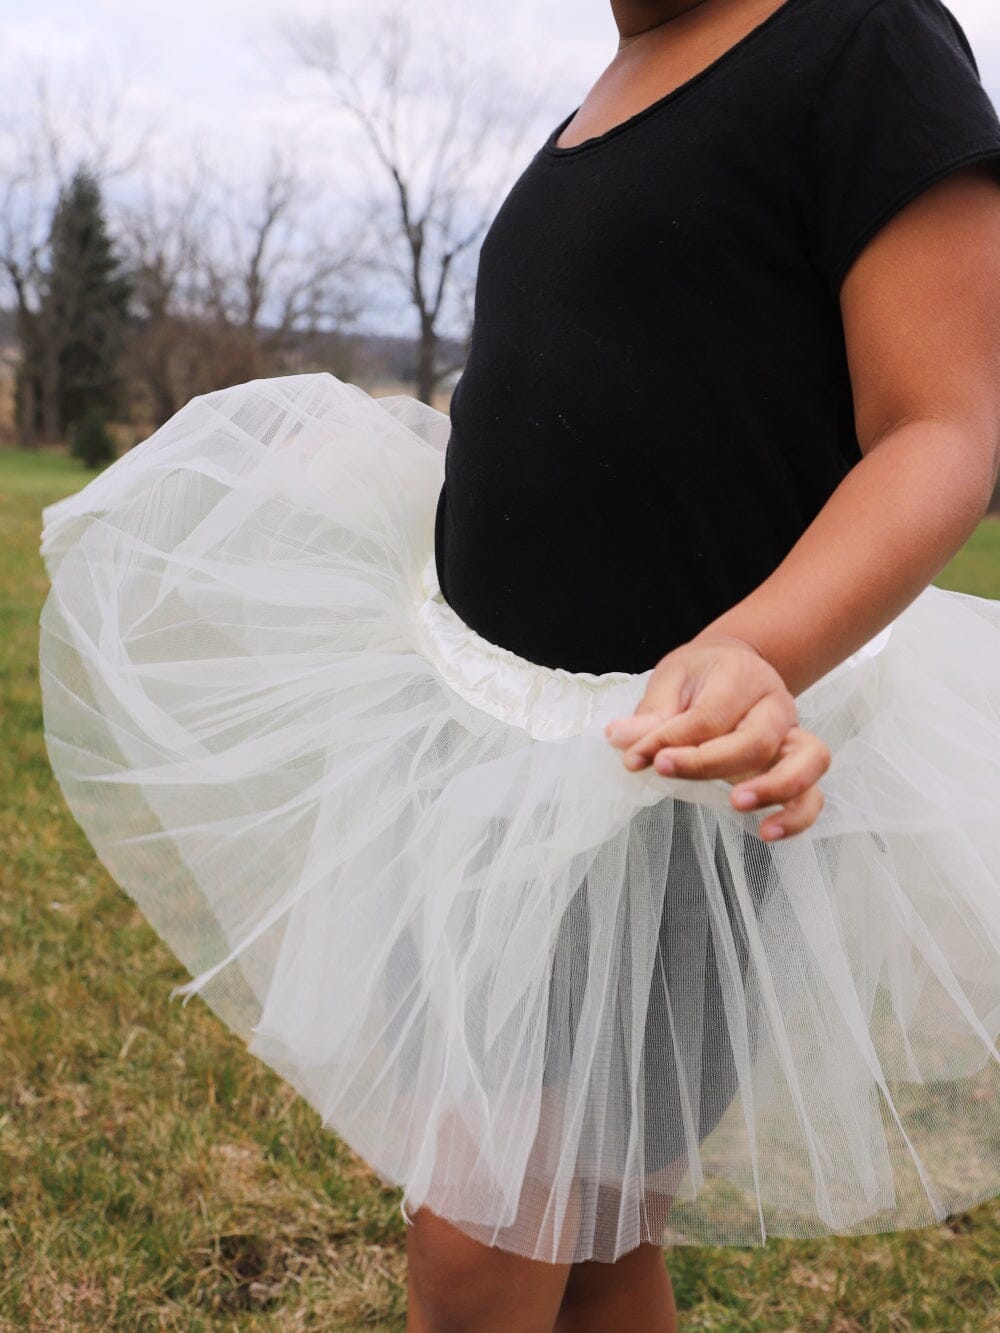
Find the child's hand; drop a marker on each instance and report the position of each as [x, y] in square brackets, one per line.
[715, 708]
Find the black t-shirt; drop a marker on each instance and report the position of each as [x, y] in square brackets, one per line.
[657, 401]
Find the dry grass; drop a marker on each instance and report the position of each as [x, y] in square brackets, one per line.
[153, 1175]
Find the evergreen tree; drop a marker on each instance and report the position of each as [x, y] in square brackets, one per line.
[84, 311]
[90, 441]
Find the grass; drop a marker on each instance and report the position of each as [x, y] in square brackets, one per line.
[153, 1175]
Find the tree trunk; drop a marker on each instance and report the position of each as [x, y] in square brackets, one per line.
[426, 362]
[52, 425]
[26, 377]
[27, 412]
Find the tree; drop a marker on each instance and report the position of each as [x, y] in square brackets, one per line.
[269, 275]
[42, 131]
[160, 237]
[231, 281]
[441, 133]
[84, 309]
[90, 441]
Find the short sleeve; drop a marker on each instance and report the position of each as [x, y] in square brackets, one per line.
[900, 106]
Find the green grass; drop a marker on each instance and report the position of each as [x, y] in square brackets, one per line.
[976, 567]
[153, 1175]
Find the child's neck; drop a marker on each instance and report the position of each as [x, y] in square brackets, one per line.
[634, 17]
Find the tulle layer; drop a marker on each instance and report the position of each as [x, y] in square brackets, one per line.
[569, 1007]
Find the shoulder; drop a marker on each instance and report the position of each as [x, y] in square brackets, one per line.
[816, 46]
[827, 38]
[921, 28]
[897, 105]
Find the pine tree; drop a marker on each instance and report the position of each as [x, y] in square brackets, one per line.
[90, 441]
[84, 311]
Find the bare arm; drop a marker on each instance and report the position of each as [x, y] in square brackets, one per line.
[921, 315]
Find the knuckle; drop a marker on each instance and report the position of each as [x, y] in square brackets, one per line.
[763, 748]
[654, 723]
[698, 717]
[806, 788]
[656, 738]
[711, 718]
[782, 704]
[691, 763]
[794, 789]
[808, 793]
[804, 810]
[678, 731]
[649, 713]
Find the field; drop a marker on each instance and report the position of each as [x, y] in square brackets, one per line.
[155, 1176]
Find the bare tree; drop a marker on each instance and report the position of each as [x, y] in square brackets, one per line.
[232, 282]
[442, 132]
[271, 272]
[160, 236]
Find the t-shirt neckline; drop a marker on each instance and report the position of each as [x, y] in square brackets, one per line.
[549, 146]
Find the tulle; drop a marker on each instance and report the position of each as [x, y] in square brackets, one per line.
[569, 1007]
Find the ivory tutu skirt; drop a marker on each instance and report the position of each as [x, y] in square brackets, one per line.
[566, 1006]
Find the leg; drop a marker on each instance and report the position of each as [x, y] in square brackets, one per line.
[634, 1293]
[456, 1285]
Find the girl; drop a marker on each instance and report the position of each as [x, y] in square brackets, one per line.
[472, 767]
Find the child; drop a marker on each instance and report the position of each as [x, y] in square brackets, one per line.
[424, 742]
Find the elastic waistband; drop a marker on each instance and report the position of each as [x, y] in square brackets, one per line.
[550, 703]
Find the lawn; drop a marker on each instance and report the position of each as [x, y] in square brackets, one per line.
[153, 1175]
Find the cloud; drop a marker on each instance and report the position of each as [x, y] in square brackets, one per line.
[211, 73]
[206, 68]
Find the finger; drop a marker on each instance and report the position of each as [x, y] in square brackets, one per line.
[750, 748]
[670, 698]
[625, 731]
[805, 759]
[716, 712]
[794, 816]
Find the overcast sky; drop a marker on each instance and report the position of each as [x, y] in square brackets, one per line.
[213, 79]
[205, 70]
